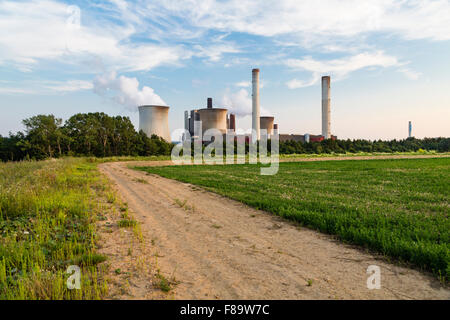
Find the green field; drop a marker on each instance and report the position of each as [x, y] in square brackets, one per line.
[396, 207]
[48, 211]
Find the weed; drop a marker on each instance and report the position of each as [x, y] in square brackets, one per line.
[48, 214]
[126, 223]
[140, 180]
[162, 283]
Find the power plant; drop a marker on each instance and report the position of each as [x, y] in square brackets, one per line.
[154, 119]
[255, 103]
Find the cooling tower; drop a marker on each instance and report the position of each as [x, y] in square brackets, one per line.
[213, 118]
[255, 102]
[326, 132]
[266, 123]
[155, 120]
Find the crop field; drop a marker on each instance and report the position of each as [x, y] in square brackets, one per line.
[48, 211]
[398, 208]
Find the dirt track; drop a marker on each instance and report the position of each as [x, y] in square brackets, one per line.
[221, 249]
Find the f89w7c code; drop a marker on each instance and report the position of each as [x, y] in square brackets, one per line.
[232, 309]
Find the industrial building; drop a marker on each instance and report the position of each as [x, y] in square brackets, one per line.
[211, 118]
[266, 123]
[154, 119]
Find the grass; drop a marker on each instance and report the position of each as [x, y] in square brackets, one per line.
[162, 283]
[362, 154]
[126, 223]
[48, 213]
[398, 208]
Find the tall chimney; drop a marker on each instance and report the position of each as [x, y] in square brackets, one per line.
[255, 102]
[186, 120]
[409, 129]
[209, 103]
[326, 131]
[232, 122]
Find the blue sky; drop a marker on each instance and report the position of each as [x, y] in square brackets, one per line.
[389, 61]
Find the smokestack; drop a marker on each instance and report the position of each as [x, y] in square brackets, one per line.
[255, 102]
[209, 103]
[232, 122]
[326, 132]
[409, 130]
[186, 120]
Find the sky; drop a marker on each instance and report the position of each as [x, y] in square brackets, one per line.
[388, 61]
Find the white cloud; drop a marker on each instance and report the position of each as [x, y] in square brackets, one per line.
[70, 86]
[214, 52]
[243, 84]
[425, 19]
[248, 84]
[240, 103]
[32, 31]
[125, 91]
[410, 74]
[295, 83]
[45, 87]
[14, 91]
[338, 68]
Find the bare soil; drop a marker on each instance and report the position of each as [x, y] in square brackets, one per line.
[211, 247]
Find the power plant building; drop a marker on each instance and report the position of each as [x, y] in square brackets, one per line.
[210, 118]
[155, 120]
[266, 123]
[213, 118]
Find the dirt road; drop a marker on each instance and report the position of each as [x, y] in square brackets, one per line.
[218, 248]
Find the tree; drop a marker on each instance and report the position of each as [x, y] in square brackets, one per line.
[44, 136]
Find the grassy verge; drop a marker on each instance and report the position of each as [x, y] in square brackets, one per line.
[48, 212]
[396, 207]
[363, 154]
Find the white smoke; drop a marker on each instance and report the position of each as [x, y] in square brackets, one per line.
[125, 91]
[240, 103]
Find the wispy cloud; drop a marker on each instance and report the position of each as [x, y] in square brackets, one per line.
[243, 84]
[69, 86]
[295, 83]
[34, 31]
[339, 68]
[44, 87]
[410, 74]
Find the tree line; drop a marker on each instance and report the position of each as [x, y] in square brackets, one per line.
[359, 145]
[100, 135]
[84, 134]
